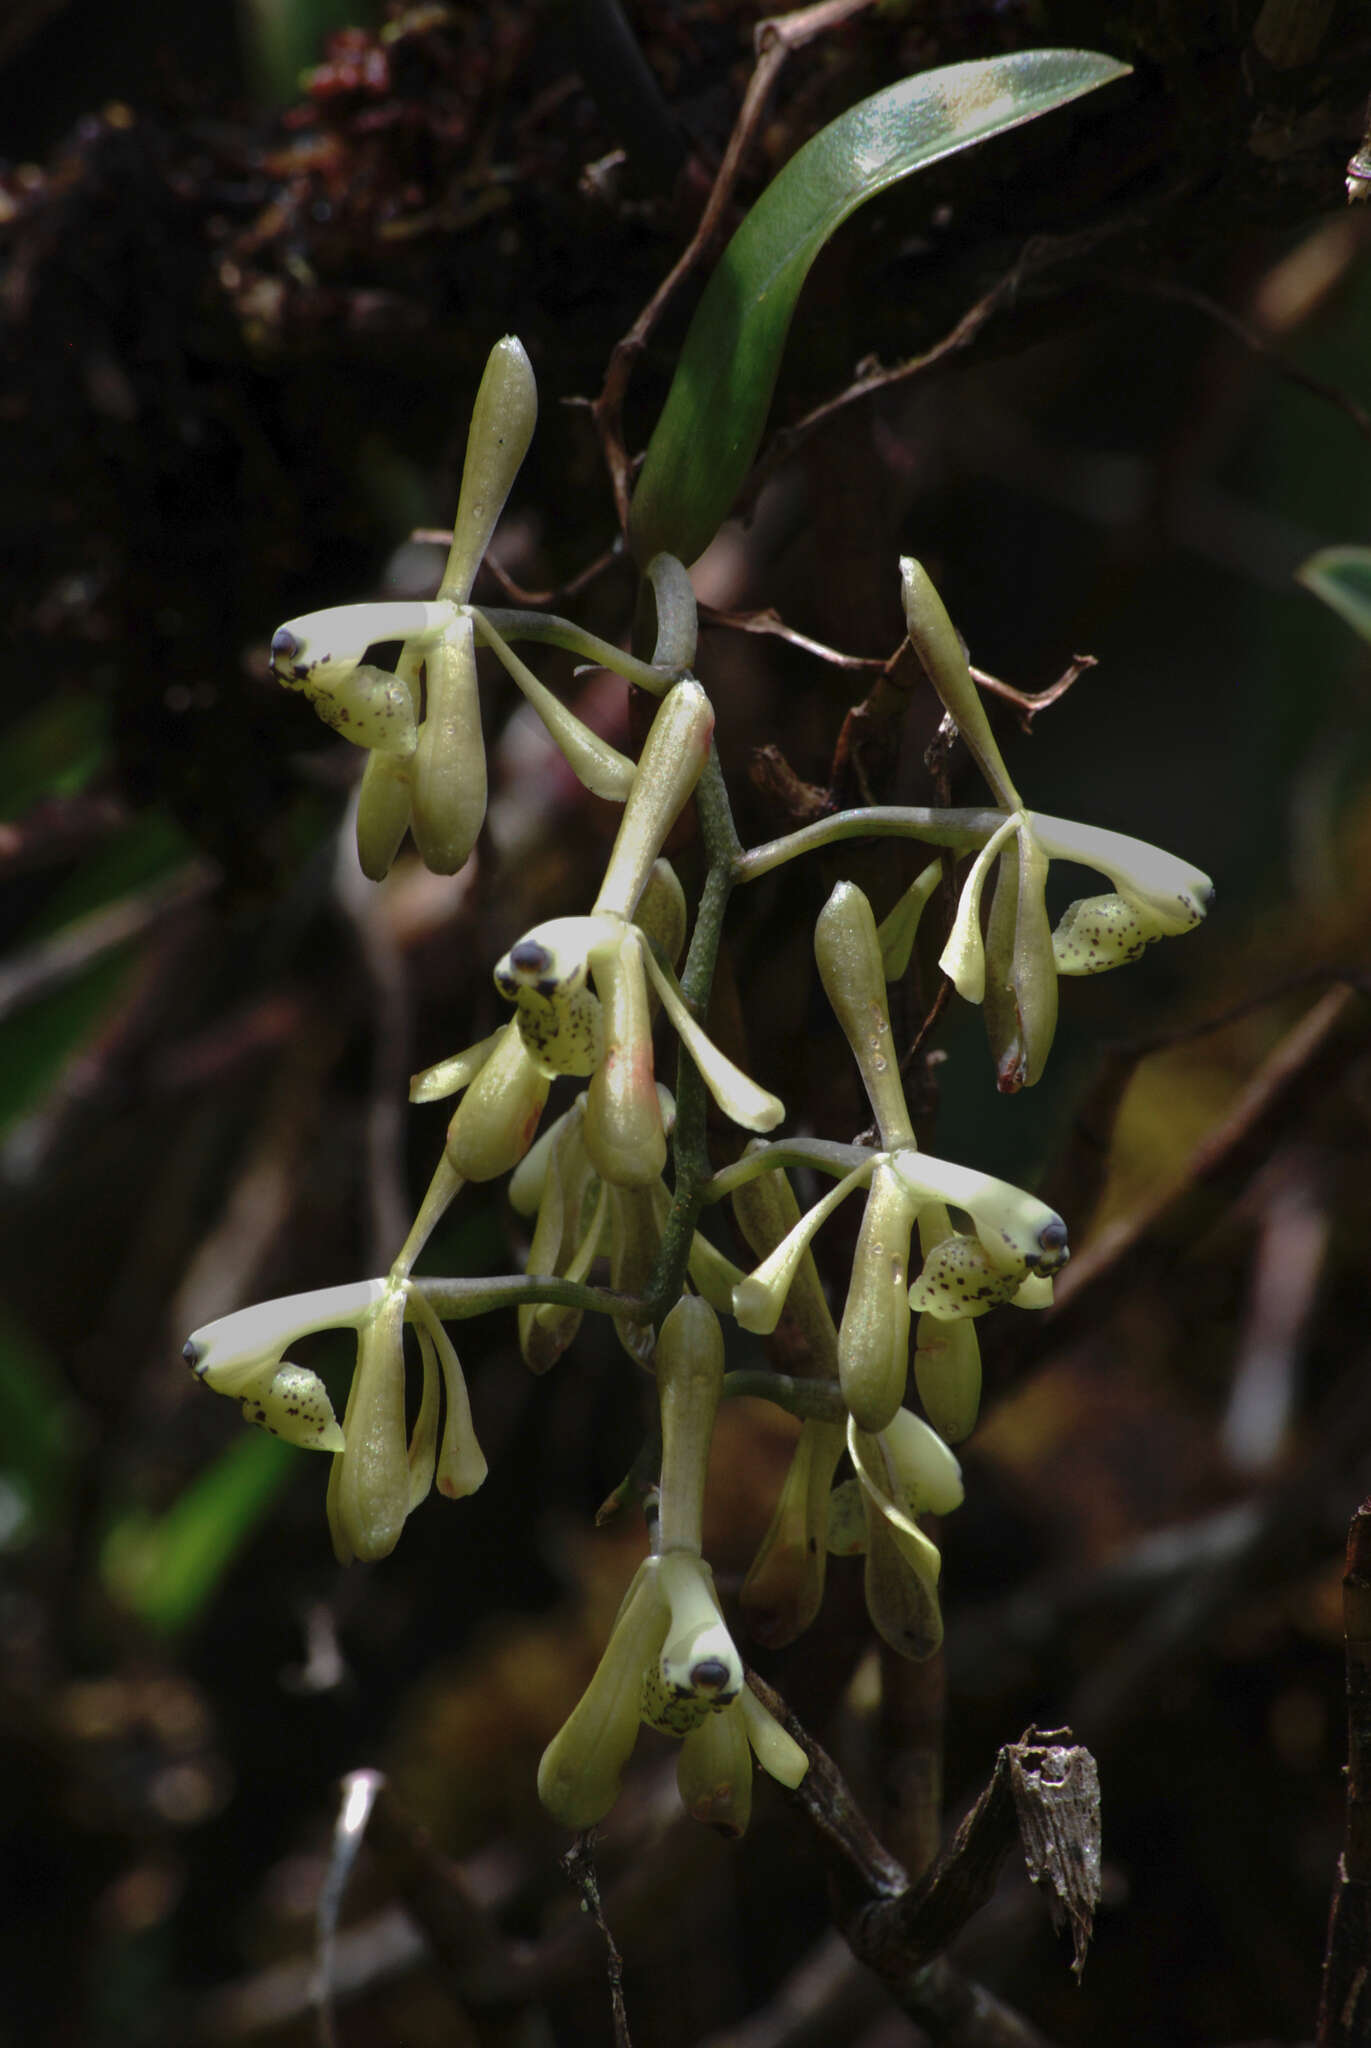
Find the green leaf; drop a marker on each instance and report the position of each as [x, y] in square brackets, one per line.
[1342, 578]
[716, 409]
[165, 1568]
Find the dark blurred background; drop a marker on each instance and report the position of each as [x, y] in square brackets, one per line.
[250, 277]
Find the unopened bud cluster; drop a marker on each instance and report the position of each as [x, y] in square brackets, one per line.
[939, 1246]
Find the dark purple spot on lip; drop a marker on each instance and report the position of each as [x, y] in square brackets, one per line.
[529, 957]
[284, 646]
[709, 1675]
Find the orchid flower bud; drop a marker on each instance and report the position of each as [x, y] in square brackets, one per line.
[320, 649]
[934, 639]
[369, 1487]
[1020, 1233]
[1021, 974]
[767, 1211]
[784, 1588]
[674, 753]
[495, 1121]
[578, 1778]
[690, 1380]
[502, 423]
[947, 1373]
[623, 1129]
[448, 790]
[852, 971]
[714, 1771]
[873, 1337]
[295, 1406]
[699, 1670]
[239, 1352]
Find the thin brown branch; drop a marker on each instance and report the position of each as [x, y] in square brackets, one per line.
[1251, 338]
[773, 41]
[441, 536]
[579, 1865]
[900, 1930]
[1040, 254]
[1333, 1032]
[1345, 1999]
[917, 1043]
[770, 622]
[1030, 702]
[51, 963]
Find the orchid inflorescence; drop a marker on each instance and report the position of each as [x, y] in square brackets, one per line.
[612, 1186]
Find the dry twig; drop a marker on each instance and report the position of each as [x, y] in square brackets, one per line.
[773, 41]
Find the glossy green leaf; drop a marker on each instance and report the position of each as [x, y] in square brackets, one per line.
[716, 409]
[1342, 578]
